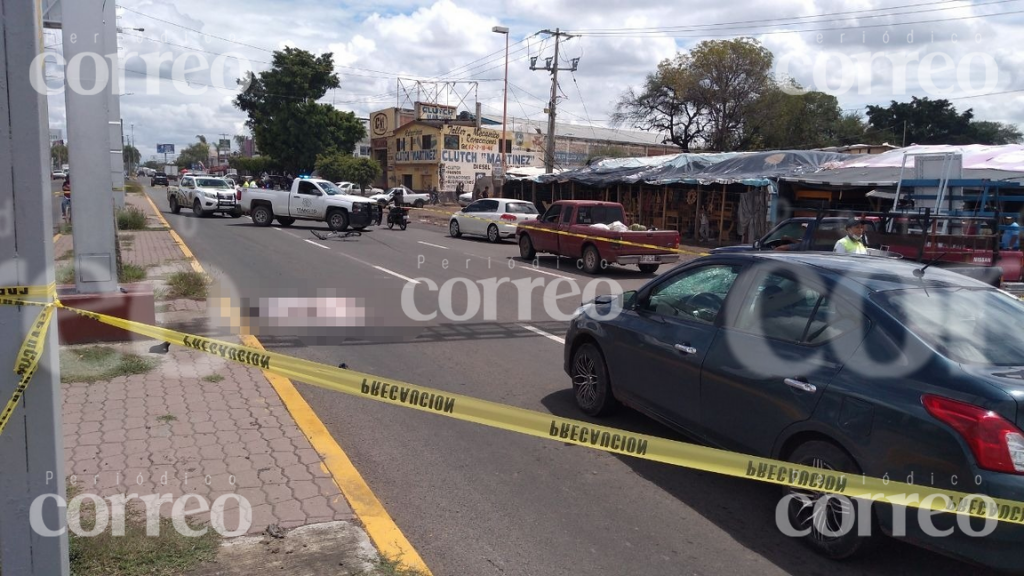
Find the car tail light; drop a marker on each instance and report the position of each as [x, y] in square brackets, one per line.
[238, 194]
[997, 444]
[509, 218]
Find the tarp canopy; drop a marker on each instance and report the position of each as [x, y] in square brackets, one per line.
[748, 168]
[1008, 158]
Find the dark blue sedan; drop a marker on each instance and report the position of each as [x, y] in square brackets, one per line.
[854, 363]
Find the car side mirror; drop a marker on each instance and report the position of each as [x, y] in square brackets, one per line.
[757, 244]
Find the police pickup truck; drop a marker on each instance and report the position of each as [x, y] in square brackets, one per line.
[308, 199]
[204, 195]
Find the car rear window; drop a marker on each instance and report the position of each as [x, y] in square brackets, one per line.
[599, 215]
[967, 325]
[520, 208]
[211, 183]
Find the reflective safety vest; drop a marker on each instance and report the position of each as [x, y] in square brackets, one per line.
[853, 246]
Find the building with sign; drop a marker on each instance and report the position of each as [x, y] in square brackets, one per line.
[434, 146]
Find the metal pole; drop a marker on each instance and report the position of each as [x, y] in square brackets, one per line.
[504, 118]
[32, 446]
[90, 135]
[549, 160]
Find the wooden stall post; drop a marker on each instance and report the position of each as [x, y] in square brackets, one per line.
[721, 218]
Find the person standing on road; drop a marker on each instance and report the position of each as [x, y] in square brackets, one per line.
[853, 242]
[65, 202]
[1011, 234]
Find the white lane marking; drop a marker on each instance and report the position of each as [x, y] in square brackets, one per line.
[540, 332]
[316, 244]
[397, 275]
[434, 245]
[538, 271]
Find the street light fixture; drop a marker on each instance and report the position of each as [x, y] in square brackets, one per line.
[504, 106]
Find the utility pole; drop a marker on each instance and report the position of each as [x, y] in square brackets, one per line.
[549, 153]
[115, 123]
[32, 445]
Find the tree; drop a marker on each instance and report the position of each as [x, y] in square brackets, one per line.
[59, 154]
[667, 104]
[995, 133]
[131, 155]
[284, 116]
[731, 76]
[715, 96]
[339, 167]
[925, 121]
[151, 164]
[194, 154]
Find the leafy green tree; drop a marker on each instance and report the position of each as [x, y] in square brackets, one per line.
[194, 154]
[59, 154]
[151, 164]
[131, 155]
[731, 76]
[339, 167]
[995, 133]
[667, 103]
[926, 121]
[284, 116]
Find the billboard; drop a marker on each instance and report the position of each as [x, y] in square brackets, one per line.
[225, 145]
[165, 148]
[435, 112]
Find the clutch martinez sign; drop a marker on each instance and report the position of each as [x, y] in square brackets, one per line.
[435, 112]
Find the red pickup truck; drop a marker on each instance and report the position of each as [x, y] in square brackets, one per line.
[567, 229]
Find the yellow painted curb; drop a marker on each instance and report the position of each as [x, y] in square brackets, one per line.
[379, 525]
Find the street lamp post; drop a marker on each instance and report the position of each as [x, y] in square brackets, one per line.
[504, 108]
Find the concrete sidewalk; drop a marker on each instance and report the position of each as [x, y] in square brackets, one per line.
[197, 424]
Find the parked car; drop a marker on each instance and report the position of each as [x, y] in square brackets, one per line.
[408, 197]
[59, 175]
[159, 179]
[590, 239]
[465, 199]
[495, 218]
[354, 189]
[858, 364]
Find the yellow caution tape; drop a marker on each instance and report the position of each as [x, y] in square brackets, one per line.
[551, 427]
[676, 250]
[31, 349]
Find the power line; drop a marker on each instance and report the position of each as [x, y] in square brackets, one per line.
[773, 32]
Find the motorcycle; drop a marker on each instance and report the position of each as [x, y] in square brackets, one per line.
[398, 215]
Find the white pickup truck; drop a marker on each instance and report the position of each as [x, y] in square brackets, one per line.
[408, 197]
[354, 189]
[308, 199]
[204, 195]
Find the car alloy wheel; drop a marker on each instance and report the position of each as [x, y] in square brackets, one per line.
[590, 383]
[453, 228]
[834, 526]
[492, 234]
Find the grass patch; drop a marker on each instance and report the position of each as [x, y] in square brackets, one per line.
[167, 418]
[129, 274]
[98, 363]
[191, 285]
[67, 255]
[385, 566]
[133, 188]
[213, 378]
[65, 228]
[136, 553]
[132, 273]
[131, 218]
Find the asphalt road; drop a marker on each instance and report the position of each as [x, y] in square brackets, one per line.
[479, 501]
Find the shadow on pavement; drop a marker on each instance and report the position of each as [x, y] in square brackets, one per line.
[746, 509]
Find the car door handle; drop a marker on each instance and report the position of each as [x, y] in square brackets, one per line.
[800, 385]
[685, 348]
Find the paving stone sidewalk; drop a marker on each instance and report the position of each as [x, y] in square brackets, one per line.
[195, 424]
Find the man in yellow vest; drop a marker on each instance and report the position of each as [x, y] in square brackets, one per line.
[853, 242]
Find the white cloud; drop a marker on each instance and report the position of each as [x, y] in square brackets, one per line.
[375, 42]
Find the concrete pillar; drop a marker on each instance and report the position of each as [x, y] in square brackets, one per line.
[115, 128]
[89, 143]
[31, 446]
